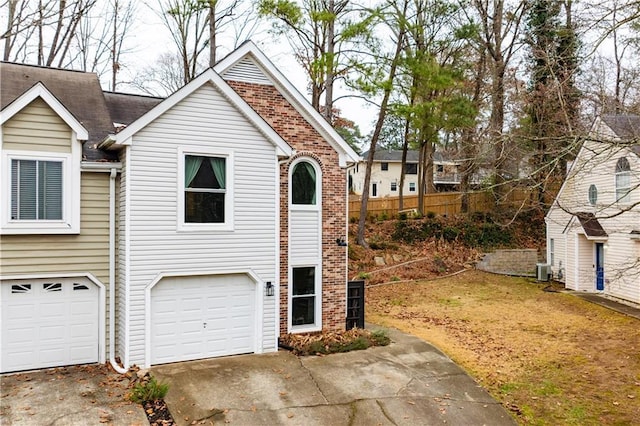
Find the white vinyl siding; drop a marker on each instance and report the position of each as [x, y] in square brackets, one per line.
[596, 165]
[305, 236]
[204, 120]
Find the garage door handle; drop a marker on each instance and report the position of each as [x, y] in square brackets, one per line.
[204, 325]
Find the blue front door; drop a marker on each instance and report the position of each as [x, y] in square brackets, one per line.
[599, 266]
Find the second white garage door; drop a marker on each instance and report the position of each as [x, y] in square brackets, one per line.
[202, 317]
[48, 323]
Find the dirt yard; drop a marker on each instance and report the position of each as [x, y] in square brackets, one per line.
[549, 357]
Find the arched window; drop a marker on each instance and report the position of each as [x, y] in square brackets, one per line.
[303, 184]
[623, 180]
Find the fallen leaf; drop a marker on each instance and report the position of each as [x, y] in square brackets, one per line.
[290, 415]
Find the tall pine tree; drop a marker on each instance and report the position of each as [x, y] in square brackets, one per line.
[553, 101]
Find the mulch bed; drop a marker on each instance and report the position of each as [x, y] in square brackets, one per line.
[158, 413]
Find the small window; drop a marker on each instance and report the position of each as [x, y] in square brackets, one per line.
[412, 187]
[303, 184]
[303, 296]
[205, 189]
[593, 195]
[394, 186]
[439, 168]
[623, 180]
[411, 168]
[78, 286]
[551, 252]
[21, 288]
[36, 190]
[50, 287]
[384, 166]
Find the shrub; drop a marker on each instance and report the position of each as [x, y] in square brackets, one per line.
[363, 276]
[150, 390]
[430, 215]
[380, 338]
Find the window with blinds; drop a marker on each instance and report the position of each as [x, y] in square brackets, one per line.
[36, 190]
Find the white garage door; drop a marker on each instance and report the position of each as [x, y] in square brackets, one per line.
[202, 317]
[49, 323]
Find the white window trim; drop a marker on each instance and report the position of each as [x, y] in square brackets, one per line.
[317, 320]
[316, 263]
[228, 224]
[318, 205]
[626, 198]
[414, 187]
[70, 223]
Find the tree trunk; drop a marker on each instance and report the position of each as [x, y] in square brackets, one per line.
[376, 135]
[403, 163]
[212, 33]
[8, 34]
[329, 57]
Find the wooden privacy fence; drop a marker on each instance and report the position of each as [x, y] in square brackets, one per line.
[441, 203]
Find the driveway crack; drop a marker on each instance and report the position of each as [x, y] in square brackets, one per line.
[384, 412]
[313, 379]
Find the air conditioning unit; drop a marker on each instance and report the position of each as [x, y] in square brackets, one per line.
[543, 271]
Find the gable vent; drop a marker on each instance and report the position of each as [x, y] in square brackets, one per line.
[247, 71]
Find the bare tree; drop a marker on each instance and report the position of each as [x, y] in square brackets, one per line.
[101, 37]
[43, 32]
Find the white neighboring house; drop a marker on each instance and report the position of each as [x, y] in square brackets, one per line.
[387, 167]
[593, 226]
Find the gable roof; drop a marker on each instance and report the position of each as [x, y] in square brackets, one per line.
[625, 126]
[78, 91]
[125, 108]
[248, 50]
[39, 91]
[209, 76]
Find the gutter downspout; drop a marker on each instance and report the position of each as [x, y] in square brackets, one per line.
[112, 272]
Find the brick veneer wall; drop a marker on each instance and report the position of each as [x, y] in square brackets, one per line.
[299, 134]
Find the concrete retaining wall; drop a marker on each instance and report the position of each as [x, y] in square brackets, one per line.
[521, 262]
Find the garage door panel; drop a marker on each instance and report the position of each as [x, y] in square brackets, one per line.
[46, 323]
[201, 317]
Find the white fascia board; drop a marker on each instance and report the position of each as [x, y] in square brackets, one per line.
[39, 90]
[346, 153]
[125, 136]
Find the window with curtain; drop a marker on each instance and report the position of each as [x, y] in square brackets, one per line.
[303, 296]
[36, 190]
[303, 184]
[623, 180]
[204, 189]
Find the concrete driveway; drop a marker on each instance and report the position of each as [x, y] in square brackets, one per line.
[77, 395]
[408, 382]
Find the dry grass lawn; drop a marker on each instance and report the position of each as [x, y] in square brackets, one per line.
[550, 358]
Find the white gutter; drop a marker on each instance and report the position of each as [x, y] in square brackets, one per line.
[112, 272]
